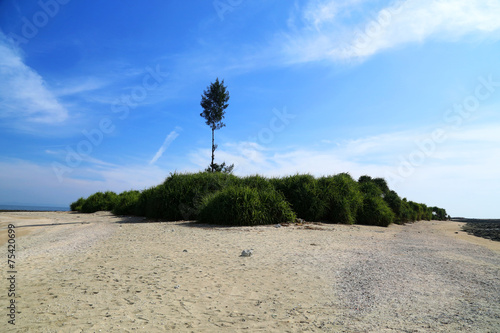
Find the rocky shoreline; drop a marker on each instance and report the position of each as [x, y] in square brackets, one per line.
[485, 228]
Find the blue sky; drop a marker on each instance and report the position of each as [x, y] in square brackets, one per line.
[105, 95]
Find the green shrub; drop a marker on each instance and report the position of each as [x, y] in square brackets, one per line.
[375, 211]
[341, 198]
[364, 179]
[303, 194]
[142, 201]
[439, 214]
[382, 185]
[405, 212]
[127, 203]
[427, 213]
[180, 196]
[255, 181]
[77, 205]
[396, 205]
[100, 201]
[370, 189]
[418, 211]
[243, 205]
[337, 199]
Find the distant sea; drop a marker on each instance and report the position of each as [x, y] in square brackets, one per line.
[34, 208]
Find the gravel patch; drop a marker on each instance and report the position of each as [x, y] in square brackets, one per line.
[417, 282]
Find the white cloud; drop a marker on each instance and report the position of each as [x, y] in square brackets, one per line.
[320, 12]
[80, 85]
[466, 162]
[168, 140]
[401, 23]
[23, 92]
[460, 174]
[26, 182]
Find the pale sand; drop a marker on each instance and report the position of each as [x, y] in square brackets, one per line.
[94, 273]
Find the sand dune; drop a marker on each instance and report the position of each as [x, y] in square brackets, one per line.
[98, 272]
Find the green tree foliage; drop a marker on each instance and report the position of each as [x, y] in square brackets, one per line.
[214, 167]
[214, 103]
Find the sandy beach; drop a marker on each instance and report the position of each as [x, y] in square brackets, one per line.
[103, 273]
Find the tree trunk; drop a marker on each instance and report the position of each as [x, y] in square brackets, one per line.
[213, 151]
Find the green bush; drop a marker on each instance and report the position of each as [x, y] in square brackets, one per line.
[418, 211]
[396, 205]
[127, 203]
[375, 211]
[255, 181]
[243, 205]
[77, 205]
[370, 189]
[143, 200]
[405, 212]
[100, 201]
[179, 197]
[427, 213]
[303, 194]
[337, 199]
[341, 198]
[382, 185]
[439, 214]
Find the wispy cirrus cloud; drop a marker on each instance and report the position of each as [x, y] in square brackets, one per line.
[168, 140]
[328, 33]
[81, 85]
[24, 94]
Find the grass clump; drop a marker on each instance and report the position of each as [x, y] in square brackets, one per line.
[77, 205]
[303, 194]
[245, 206]
[255, 181]
[375, 209]
[100, 201]
[180, 196]
[127, 203]
[341, 198]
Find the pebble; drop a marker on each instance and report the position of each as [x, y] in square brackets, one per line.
[246, 253]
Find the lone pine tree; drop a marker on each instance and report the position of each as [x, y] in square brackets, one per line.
[214, 103]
